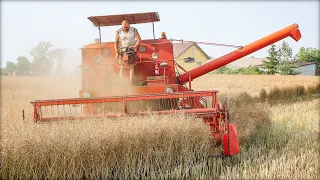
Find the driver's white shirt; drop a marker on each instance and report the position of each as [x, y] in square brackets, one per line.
[127, 38]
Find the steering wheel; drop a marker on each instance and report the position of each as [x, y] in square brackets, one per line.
[125, 50]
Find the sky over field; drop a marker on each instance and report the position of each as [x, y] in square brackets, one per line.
[65, 24]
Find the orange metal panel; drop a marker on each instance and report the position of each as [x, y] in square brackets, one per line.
[231, 143]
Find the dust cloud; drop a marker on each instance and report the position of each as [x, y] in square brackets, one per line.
[103, 80]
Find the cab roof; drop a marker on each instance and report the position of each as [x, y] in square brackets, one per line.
[113, 20]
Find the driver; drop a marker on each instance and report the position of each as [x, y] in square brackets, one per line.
[127, 37]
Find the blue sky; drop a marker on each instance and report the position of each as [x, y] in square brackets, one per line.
[65, 24]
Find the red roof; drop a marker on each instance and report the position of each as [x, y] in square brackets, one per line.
[179, 48]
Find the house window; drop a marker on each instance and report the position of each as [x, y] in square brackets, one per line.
[193, 52]
[199, 63]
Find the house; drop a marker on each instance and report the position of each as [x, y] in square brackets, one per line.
[185, 52]
[245, 62]
[306, 68]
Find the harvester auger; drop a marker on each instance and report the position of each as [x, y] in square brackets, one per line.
[157, 85]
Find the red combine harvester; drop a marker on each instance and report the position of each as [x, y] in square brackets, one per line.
[158, 84]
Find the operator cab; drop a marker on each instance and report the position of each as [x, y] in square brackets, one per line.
[151, 68]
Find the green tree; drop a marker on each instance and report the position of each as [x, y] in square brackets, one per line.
[4, 72]
[57, 56]
[285, 53]
[10, 67]
[281, 60]
[287, 65]
[221, 70]
[42, 58]
[272, 60]
[23, 65]
[252, 70]
[288, 68]
[309, 55]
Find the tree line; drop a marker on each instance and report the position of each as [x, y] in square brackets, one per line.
[280, 60]
[47, 60]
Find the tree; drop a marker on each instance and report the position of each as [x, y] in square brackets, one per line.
[222, 70]
[287, 65]
[309, 55]
[252, 70]
[23, 65]
[10, 67]
[45, 57]
[42, 59]
[285, 53]
[4, 72]
[288, 68]
[272, 60]
[58, 57]
[281, 61]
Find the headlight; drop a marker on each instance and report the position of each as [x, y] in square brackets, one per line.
[86, 94]
[154, 56]
[108, 52]
[142, 49]
[169, 89]
[96, 59]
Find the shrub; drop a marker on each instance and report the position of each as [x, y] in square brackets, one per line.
[300, 91]
[312, 89]
[274, 94]
[288, 92]
[263, 95]
[318, 88]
